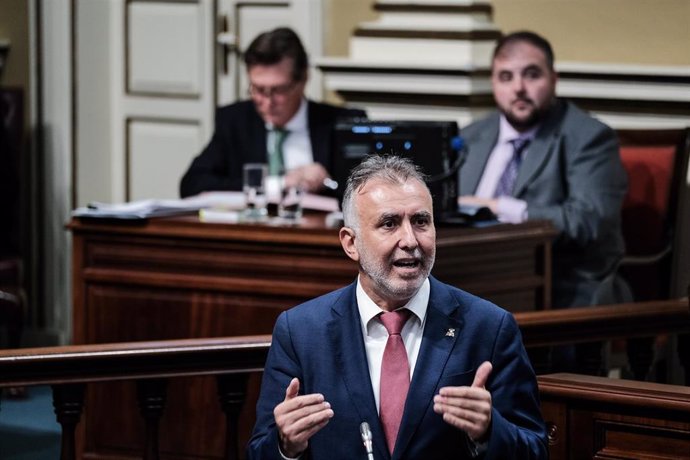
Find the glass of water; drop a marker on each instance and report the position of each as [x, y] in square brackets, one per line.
[290, 205]
[254, 188]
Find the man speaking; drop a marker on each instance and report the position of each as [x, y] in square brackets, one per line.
[435, 372]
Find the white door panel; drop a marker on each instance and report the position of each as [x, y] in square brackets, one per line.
[158, 154]
[165, 48]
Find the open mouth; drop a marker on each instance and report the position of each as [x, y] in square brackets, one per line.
[407, 263]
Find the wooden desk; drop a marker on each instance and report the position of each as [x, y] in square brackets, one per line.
[594, 417]
[174, 278]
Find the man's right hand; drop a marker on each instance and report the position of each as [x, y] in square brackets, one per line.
[471, 200]
[310, 177]
[298, 418]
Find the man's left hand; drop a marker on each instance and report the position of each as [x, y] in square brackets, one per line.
[467, 408]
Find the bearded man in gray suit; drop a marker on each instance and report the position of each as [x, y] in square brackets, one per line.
[570, 173]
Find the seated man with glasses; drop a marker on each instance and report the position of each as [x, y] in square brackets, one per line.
[278, 112]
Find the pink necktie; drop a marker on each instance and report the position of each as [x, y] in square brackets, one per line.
[395, 376]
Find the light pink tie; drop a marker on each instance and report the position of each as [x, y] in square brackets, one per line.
[395, 376]
[506, 183]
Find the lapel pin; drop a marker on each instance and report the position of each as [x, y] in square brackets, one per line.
[450, 332]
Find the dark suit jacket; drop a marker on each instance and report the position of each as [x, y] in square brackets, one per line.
[240, 137]
[572, 175]
[321, 343]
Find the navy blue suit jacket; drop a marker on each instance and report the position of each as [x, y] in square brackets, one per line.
[320, 342]
[240, 137]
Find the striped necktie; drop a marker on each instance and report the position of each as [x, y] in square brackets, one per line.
[506, 183]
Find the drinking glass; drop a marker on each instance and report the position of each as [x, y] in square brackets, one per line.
[254, 180]
[290, 204]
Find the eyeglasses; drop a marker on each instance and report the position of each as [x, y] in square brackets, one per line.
[269, 91]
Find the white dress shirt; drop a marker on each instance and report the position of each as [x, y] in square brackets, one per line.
[297, 145]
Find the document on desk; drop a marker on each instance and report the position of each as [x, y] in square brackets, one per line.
[135, 210]
[226, 207]
[234, 201]
[214, 204]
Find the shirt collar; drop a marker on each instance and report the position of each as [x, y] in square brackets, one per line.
[298, 122]
[368, 310]
[507, 133]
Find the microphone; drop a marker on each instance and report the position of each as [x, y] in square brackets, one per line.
[460, 146]
[457, 143]
[366, 439]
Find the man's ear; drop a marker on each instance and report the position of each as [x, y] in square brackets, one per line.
[347, 241]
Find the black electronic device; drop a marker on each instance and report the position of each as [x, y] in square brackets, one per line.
[435, 146]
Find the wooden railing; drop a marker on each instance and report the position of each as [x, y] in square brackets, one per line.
[69, 369]
[586, 324]
[597, 417]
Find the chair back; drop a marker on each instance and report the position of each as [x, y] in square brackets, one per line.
[656, 163]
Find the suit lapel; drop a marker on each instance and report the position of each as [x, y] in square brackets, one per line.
[538, 153]
[477, 156]
[540, 150]
[319, 136]
[345, 333]
[440, 333]
[259, 151]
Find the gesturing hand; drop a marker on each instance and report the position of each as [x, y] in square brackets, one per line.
[298, 418]
[467, 408]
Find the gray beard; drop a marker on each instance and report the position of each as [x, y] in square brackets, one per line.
[378, 274]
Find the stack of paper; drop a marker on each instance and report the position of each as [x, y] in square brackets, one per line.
[217, 206]
[141, 209]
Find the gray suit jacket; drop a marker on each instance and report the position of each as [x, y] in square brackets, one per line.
[571, 175]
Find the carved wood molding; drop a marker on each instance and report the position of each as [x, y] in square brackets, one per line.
[403, 7]
[471, 35]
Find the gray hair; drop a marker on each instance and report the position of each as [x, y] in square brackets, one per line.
[390, 168]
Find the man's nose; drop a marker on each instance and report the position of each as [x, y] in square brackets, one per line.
[267, 103]
[408, 237]
[518, 84]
